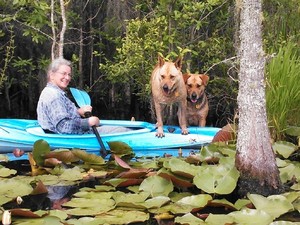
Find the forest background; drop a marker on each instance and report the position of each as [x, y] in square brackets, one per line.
[114, 45]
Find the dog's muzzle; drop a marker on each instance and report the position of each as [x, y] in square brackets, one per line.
[194, 97]
[166, 89]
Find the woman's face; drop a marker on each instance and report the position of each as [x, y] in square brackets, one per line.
[61, 77]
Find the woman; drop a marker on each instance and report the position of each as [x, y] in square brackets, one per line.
[56, 113]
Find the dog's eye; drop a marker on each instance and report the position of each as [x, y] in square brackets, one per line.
[198, 85]
[189, 86]
[172, 77]
[162, 76]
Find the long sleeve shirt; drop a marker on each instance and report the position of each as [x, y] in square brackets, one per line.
[58, 114]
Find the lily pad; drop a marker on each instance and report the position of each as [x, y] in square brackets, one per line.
[12, 188]
[214, 219]
[218, 179]
[267, 204]
[40, 149]
[63, 155]
[198, 201]
[71, 174]
[123, 182]
[120, 148]
[5, 172]
[177, 180]
[130, 200]
[251, 217]
[88, 158]
[189, 219]
[182, 168]
[119, 216]
[156, 186]
[284, 148]
[293, 131]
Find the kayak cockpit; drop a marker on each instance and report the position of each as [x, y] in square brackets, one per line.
[135, 128]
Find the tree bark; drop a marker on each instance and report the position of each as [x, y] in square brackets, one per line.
[255, 158]
[63, 29]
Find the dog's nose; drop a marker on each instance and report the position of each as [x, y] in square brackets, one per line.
[166, 88]
[194, 95]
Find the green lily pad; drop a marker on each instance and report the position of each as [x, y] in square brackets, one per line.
[267, 204]
[293, 131]
[284, 148]
[174, 208]
[198, 201]
[210, 154]
[12, 188]
[156, 202]
[189, 219]
[289, 172]
[219, 179]
[157, 186]
[5, 172]
[40, 149]
[71, 174]
[177, 180]
[119, 216]
[214, 219]
[89, 211]
[89, 203]
[93, 194]
[251, 217]
[63, 155]
[88, 158]
[123, 182]
[120, 148]
[47, 220]
[182, 168]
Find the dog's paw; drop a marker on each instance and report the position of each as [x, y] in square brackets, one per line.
[184, 131]
[160, 135]
[160, 132]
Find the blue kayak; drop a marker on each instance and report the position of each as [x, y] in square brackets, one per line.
[23, 133]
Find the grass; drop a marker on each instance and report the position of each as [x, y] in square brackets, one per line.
[283, 91]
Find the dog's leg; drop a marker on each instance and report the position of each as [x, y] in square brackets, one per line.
[182, 117]
[202, 122]
[158, 110]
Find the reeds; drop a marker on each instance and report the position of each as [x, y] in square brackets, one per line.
[283, 91]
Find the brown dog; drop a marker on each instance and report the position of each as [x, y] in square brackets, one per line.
[167, 86]
[197, 103]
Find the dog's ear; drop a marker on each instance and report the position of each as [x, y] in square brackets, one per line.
[186, 77]
[161, 60]
[204, 78]
[178, 62]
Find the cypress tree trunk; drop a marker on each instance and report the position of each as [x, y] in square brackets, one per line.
[255, 158]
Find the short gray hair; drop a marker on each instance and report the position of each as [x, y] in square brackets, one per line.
[55, 64]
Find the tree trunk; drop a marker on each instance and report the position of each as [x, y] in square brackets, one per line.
[255, 158]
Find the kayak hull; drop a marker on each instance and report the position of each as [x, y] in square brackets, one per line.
[22, 134]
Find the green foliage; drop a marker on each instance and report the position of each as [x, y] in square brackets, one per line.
[173, 28]
[9, 55]
[119, 199]
[33, 15]
[281, 22]
[283, 91]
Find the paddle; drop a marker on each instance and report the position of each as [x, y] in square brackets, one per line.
[82, 98]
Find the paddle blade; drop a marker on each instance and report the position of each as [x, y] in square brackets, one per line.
[81, 97]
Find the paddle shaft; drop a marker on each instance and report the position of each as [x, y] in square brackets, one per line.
[103, 151]
[82, 98]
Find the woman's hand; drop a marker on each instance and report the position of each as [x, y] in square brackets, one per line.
[94, 121]
[82, 110]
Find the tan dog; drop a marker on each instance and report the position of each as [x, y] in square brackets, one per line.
[197, 103]
[168, 87]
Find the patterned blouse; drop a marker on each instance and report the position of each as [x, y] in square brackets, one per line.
[58, 114]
